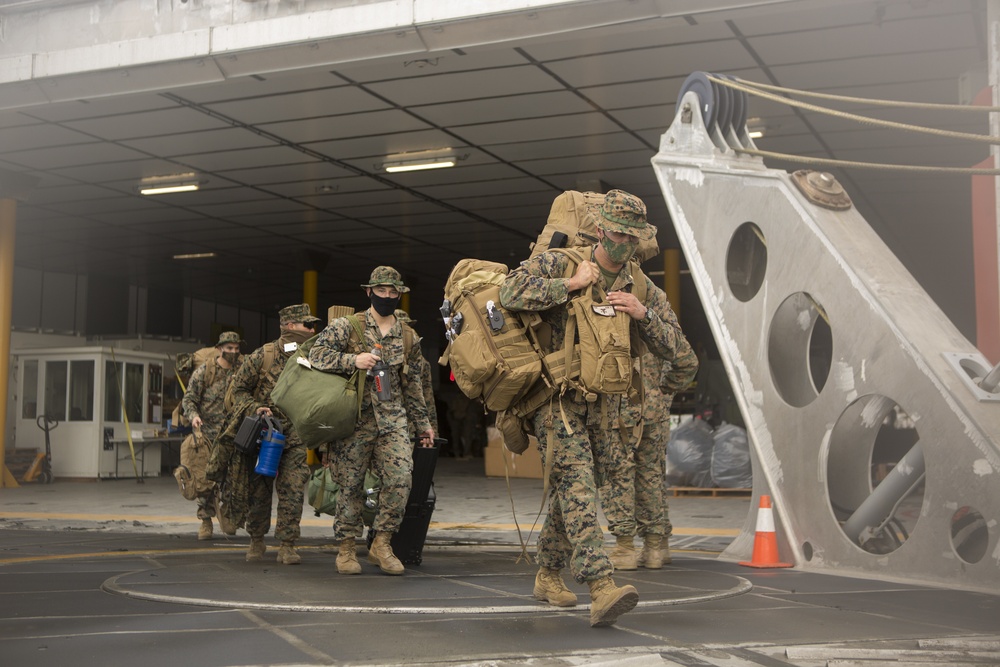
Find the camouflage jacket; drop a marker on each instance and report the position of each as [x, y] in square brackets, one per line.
[660, 381]
[334, 351]
[252, 388]
[205, 399]
[539, 284]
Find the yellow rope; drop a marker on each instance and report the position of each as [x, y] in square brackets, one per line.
[827, 162]
[872, 101]
[865, 120]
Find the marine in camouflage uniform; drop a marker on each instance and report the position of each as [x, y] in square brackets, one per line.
[633, 496]
[426, 383]
[202, 404]
[575, 447]
[380, 440]
[252, 387]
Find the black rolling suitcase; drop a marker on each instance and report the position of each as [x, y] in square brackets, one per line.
[408, 543]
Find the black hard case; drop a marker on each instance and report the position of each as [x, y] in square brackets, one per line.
[408, 543]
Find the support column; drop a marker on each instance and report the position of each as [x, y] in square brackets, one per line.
[8, 224]
[310, 291]
[672, 279]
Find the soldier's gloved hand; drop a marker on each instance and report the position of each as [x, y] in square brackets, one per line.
[586, 274]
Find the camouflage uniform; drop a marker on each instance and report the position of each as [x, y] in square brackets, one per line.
[571, 534]
[204, 398]
[381, 439]
[426, 384]
[250, 387]
[634, 501]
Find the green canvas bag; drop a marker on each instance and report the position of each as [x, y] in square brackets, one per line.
[322, 406]
[322, 492]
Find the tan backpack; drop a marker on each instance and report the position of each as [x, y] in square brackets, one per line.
[572, 223]
[490, 353]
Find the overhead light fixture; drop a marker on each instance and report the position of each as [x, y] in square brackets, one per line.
[195, 255]
[756, 128]
[440, 158]
[397, 167]
[162, 185]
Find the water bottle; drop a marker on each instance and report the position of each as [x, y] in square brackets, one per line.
[271, 447]
[377, 353]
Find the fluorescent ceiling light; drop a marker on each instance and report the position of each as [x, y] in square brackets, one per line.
[167, 189]
[418, 165]
[195, 255]
[756, 134]
[168, 183]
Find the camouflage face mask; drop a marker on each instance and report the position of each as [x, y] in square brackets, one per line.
[620, 253]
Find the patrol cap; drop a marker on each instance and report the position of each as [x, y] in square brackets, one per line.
[403, 316]
[229, 337]
[300, 312]
[386, 275]
[626, 214]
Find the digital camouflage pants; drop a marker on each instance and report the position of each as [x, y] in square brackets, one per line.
[651, 510]
[633, 493]
[389, 454]
[290, 484]
[571, 534]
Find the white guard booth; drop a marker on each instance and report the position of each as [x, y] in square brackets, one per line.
[90, 392]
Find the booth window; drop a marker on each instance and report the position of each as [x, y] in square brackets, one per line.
[128, 380]
[81, 391]
[55, 390]
[29, 390]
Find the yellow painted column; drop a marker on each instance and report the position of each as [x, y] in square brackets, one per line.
[310, 290]
[672, 278]
[8, 211]
[404, 302]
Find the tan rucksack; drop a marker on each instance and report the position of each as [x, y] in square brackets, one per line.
[490, 355]
[572, 223]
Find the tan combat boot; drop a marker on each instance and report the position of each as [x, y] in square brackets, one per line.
[381, 554]
[287, 555]
[623, 555]
[256, 551]
[652, 553]
[549, 587]
[205, 530]
[608, 602]
[347, 557]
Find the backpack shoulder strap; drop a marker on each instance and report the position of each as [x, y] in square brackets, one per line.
[270, 354]
[210, 367]
[357, 337]
[409, 337]
[639, 282]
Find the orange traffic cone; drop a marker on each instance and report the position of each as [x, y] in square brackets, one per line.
[765, 544]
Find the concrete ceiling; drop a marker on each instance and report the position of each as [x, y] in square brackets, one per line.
[291, 163]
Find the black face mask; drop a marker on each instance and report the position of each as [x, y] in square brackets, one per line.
[384, 305]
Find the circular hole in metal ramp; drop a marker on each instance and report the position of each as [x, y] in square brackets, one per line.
[970, 535]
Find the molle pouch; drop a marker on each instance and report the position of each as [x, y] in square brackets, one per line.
[605, 344]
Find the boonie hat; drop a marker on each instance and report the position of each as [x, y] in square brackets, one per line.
[386, 275]
[300, 312]
[229, 337]
[625, 213]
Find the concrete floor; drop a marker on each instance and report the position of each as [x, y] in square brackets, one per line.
[109, 573]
